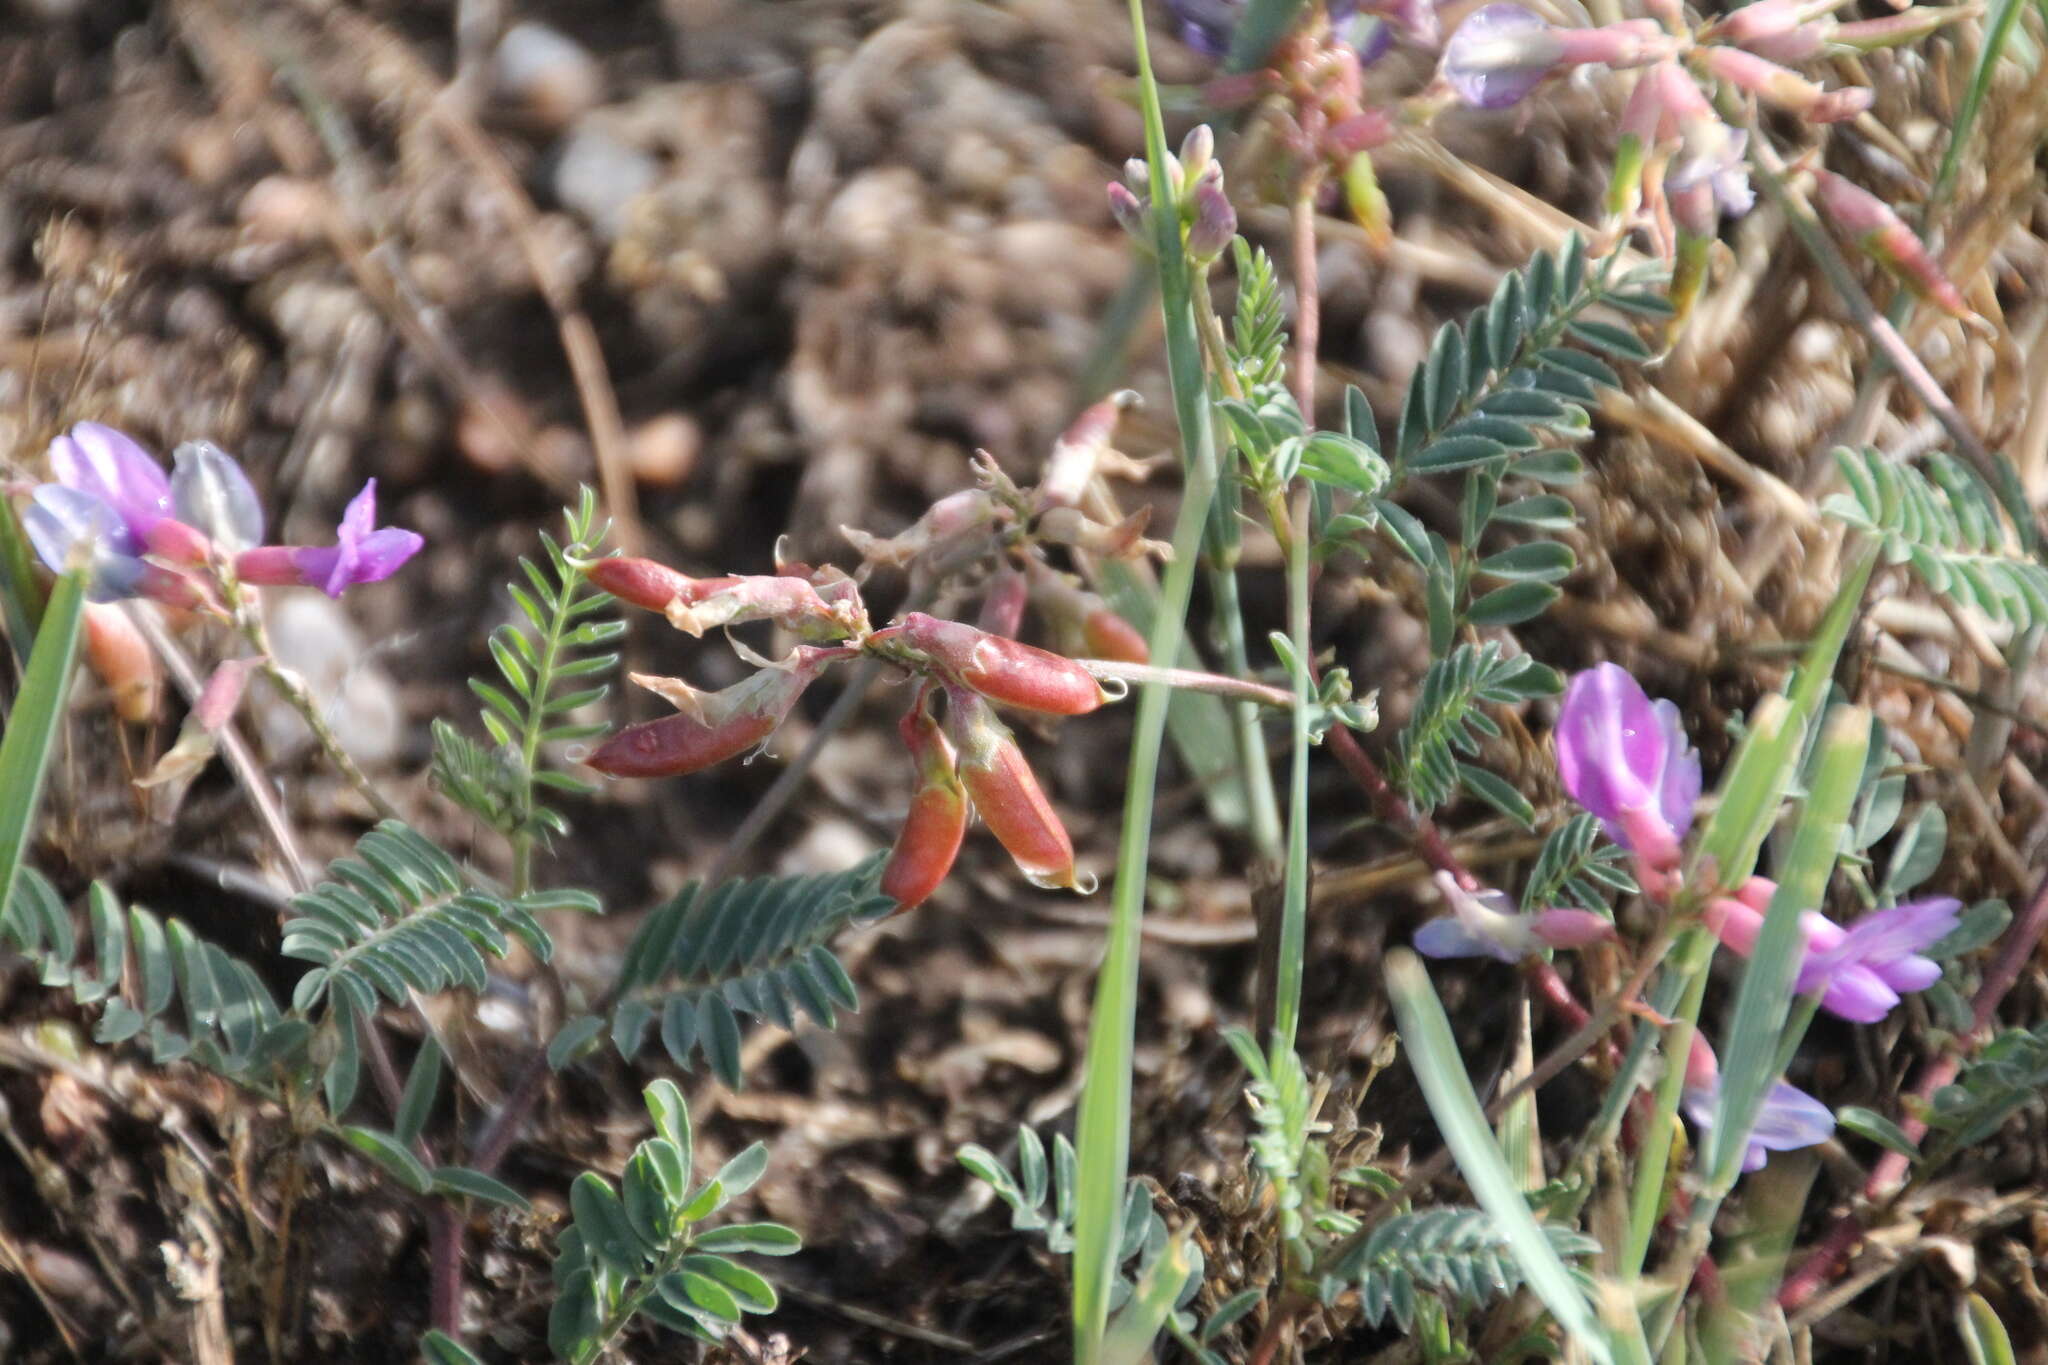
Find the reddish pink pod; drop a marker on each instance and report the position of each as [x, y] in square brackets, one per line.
[644, 583]
[932, 832]
[712, 727]
[1006, 792]
[1004, 670]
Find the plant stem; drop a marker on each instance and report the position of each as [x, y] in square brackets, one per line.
[1193, 680]
[1292, 528]
[1104, 1124]
[1220, 556]
[293, 689]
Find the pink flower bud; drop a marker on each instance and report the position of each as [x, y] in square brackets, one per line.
[1002, 610]
[1130, 215]
[713, 727]
[1214, 225]
[1788, 90]
[1004, 791]
[1884, 236]
[1571, 928]
[1004, 670]
[1079, 450]
[947, 522]
[116, 651]
[932, 831]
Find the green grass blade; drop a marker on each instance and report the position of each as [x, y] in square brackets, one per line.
[1137, 1326]
[1433, 1052]
[1104, 1134]
[33, 724]
[1750, 1043]
[21, 596]
[2003, 17]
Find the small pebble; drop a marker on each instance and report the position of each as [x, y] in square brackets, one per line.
[664, 449]
[597, 176]
[547, 74]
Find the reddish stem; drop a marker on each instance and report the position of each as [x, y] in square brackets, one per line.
[1831, 1253]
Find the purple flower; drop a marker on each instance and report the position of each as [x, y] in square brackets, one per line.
[1710, 178]
[1861, 971]
[110, 466]
[1789, 1120]
[1486, 924]
[362, 553]
[73, 529]
[1625, 759]
[1498, 55]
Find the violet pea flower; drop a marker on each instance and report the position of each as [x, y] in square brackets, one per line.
[1625, 759]
[1788, 1120]
[1502, 52]
[362, 553]
[110, 506]
[1861, 971]
[1486, 924]
[70, 529]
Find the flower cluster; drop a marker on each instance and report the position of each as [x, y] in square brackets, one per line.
[965, 758]
[139, 532]
[1859, 972]
[1625, 758]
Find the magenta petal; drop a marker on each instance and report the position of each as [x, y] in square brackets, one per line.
[382, 553]
[1678, 786]
[112, 467]
[1908, 974]
[1858, 994]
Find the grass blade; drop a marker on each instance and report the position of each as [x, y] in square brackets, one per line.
[1104, 1134]
[1750, 1044]
[1433, 1052]
[33, 724]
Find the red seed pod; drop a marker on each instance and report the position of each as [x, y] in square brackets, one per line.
[644, 583]
[116, 651]
[1001, 784]
[1082, 624]
[1012, 673]
[713, 727]
[932, 831]
[1110, 636]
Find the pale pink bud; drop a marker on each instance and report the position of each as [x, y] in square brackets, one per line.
[1002, 610]
[117, 652]
[1787, 90]
[1571, 928]
[1079, 450]
[1884, 236]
